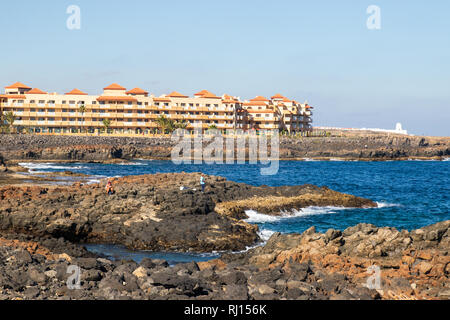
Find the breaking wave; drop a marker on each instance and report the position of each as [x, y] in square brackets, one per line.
[256, 217]
[387, 205]
[48, 165]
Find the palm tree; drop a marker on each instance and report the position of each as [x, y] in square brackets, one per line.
[171, 125]
[212, 127]
[163, 123]
[107, 124]
[82, 110]
[10, 118]
[181, 124]
[3, 125]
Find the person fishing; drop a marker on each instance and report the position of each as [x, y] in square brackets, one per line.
[109, 188]
[202, 183]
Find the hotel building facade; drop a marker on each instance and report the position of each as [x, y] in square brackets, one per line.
[136, 112]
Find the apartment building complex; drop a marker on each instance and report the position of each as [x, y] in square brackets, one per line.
[136, 111]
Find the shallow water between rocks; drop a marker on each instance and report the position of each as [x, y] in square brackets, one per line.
[410, 194]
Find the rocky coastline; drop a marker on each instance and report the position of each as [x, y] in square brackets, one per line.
[43, 229]
[160, 212]
[309, 266]
[365, 147]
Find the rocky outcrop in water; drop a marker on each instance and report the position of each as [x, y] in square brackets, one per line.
[152, 212]
[365, 146]
[311, 266]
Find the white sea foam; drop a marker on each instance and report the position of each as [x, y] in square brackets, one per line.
[130, 164]
[47, 165]
[93, 181]
[313, 210]
[310, 160]
[387, 205]
[265, 234]
[256, 217]
[423, 160]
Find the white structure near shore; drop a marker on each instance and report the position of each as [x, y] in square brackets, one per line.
[398, 129]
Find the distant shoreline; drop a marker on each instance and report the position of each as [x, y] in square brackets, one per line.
[347, 147]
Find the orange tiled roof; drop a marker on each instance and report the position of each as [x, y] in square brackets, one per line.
[114, 98]
[229, 99]
[175, 94]
[13, 96]
[259, 98]
[76, 92]
[137, 91]
[114, 86]
[36, 91]
[201, 93]
[277, 96]
[210, 96]
[161, 99]
[286, 100]
[18, 85]
[254, 103]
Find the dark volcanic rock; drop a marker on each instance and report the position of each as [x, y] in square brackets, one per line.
[302, 267]
[351, 145]
[152, 212]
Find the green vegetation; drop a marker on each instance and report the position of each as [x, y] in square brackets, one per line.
[82, 110]
[10, 118]
[167, 125]
[106, 124]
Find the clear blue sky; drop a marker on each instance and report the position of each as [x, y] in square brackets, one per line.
[320, 51]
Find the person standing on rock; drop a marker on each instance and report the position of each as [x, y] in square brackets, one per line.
[202, 183]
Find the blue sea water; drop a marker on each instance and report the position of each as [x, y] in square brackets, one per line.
[410, 194]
